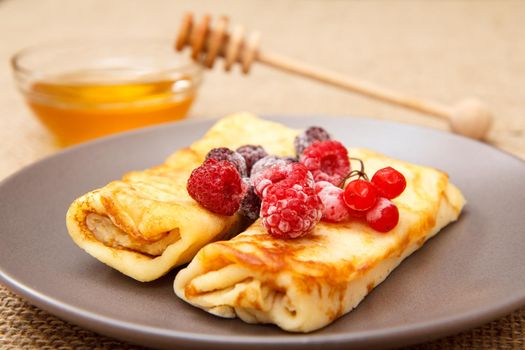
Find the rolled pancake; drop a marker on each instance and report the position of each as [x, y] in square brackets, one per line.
[305, 284]
[146, 223]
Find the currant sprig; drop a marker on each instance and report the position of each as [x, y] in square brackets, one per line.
[359, 173]
[291, 195]
[370, 199]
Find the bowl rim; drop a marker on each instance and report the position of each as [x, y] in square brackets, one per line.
[25, 76]
[65, 43]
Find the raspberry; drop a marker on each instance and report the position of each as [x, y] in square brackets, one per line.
[290, 212]
[290, 174]
[308, 137]
[332, 198]
[267, 162]
[250, 205]
[251, 155]
[224, 153]
[217, 186]
[327, 160]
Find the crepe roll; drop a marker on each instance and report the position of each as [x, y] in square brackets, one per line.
[304, 284]
[145, 224]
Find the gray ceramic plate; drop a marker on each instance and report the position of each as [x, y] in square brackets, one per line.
[472, 272]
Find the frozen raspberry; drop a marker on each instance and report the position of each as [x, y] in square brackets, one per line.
[217, 186]
[308, 137]
[251, 155]
[291, 173]
[224, 153]
[250, 205]
[327, 160]
[290, 212]
[332, 198]
[267, 162]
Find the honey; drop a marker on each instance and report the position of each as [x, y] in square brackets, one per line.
[82, 105]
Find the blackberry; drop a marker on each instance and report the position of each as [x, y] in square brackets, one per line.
[250, 204]
[308, 137]
[251, 154]
[224, 153]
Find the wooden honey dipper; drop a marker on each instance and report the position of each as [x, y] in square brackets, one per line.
[469, 117]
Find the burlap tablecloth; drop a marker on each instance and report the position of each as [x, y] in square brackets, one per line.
[26, 326]
[444, 50]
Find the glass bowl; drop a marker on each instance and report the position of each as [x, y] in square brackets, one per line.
[85, 89]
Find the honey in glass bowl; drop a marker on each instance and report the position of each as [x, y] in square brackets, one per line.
[83, 91]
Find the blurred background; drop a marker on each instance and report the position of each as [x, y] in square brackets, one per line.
[440, 50]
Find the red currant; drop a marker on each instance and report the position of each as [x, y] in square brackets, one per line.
[360, 195]
[356, 214]
[383, 216]
[389, 182]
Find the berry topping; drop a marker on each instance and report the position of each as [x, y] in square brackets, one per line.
[251, 155]
[308, 137]
[389, 182]
[360, 195]
[224, 153]
[291, 195]
[327, 160]
[290, 212]
[250, 205]
[267, 162]
[217, 186]
[290, 174]
[384, 216]
[332, 198]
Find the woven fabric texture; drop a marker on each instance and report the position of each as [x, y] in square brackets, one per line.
[23, 326]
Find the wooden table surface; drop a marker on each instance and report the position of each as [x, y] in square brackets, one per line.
[442, 50]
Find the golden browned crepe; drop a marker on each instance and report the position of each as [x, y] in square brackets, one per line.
[305, 284]
[146, 223]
